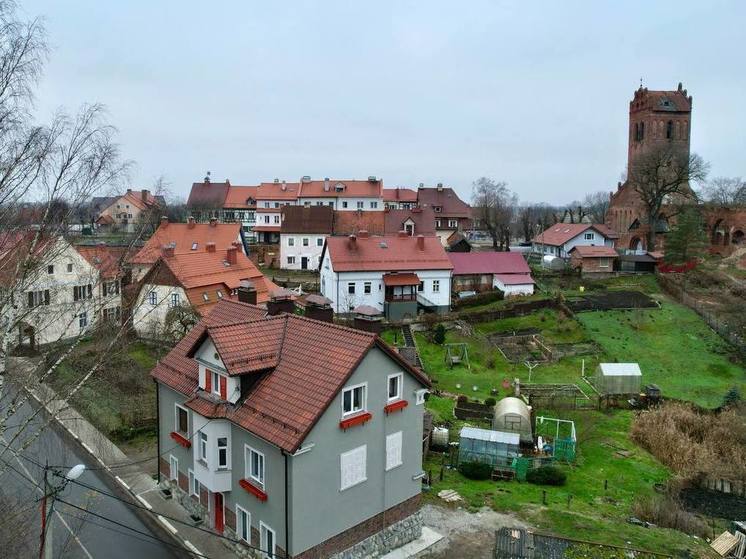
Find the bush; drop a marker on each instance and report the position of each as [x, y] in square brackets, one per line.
[475, 470]
[666, 511]
[490, 402]
[547, 475]
[732, 397]
[439, 337]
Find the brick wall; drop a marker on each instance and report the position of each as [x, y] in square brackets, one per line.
[365, 529]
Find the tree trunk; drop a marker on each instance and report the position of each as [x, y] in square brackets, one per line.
[651, 231]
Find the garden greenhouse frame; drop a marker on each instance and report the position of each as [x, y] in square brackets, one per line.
[564, 439]
[496, 448]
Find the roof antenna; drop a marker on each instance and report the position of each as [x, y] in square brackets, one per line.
[640, 88]
[207, 177]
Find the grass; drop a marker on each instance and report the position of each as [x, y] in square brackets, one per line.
[594, 513]
[674, 347]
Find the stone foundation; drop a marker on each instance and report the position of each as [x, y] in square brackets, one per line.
[386, 540]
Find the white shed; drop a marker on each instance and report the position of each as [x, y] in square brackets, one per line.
[618, 378]
[514, 416]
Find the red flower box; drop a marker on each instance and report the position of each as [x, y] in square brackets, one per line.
[253, 489]
[394, 406]
[180, 439]
[358, 419]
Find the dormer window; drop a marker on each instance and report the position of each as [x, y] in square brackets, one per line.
[437, 209]
[205, 296]
[194, 246]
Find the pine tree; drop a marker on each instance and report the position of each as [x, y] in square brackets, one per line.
[687, 241]
[440, 334]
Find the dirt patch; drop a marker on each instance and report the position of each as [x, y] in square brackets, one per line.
[611, 300]
[713, 503]
[466, 534]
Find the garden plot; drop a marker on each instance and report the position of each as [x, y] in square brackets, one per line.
[611, 300]
[522, 345]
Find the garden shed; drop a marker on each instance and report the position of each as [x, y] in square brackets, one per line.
[496, 448]
[514, 416]
[618, 379]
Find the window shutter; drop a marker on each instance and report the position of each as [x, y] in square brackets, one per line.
[223, 387]
[208, 380]
[353, 467]
[393, 450]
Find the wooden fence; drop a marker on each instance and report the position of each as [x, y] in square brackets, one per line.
[733, 487]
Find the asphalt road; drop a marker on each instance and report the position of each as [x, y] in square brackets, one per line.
[76, 534]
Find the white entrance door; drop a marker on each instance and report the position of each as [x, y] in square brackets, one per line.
[266, 540]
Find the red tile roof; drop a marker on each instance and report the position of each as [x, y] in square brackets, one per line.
[310, 363]
[406, 278]
[182, 236]
[399, 194]
[352, 222]
[423, 219]
[595, 251]
[341, 189]
[307, 219]
[467, 263]
[389, 253]
[107, 260]
[136, 198]
[241, 197]
[208, 194]
[559, 233]
[277, 191]
[445, 198]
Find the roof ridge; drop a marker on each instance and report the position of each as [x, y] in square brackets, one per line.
[334, 325]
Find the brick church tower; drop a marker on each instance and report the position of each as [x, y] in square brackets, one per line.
[656, 119]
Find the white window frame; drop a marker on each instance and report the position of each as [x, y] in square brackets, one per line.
[173, 466]
[248, 474]
[353, 285]
[452, 223]
[291, 242]
[419, 396]
[227, 465]
[374, 205]
[83, 320]
[193, 481]
[202, 443]
[239, 510]
[361, 205]
[365, 463]
[367, 287]
[320, 242]
[175, 300]
[344, 204]
[436, 286]
[267, 553]
[215, 382]
[604, 262]
[364, 386]
[291, 259]
[153, 297]
[399, 383]
[178, 407]
[589, 236]
[306, 241]
[390, 464]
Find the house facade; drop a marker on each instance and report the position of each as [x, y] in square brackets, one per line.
[248, 447]
[342, 195]
[399, 198]
[397, 274]
[593, 260]
[131, 211]
[484, 271]
[559, 239]
[451, 213]
[302, 235]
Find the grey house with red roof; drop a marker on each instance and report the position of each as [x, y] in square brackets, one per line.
[298, 437]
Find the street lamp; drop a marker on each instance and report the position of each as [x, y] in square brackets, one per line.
[46, 548]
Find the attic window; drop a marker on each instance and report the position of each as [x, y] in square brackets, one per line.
[205, 296]
[194, 246]
[437, 209]
[339, 187]
[219, 293]
[383, 244]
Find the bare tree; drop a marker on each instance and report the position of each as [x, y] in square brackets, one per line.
[726, 191]
[574, 212]
[597, 204]
[663, 176]
[495, 205]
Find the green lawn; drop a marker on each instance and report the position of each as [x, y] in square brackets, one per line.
[674, 347]
[594, 513]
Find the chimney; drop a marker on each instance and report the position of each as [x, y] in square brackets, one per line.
[440, 187]
[168, 250]
[207, 178]
[191, 222]
[326, 184]
[421, 242]
[213, 221]
[363, 233]
[353, 242]
[247, 292]
[164, 221]
[281, 302]
[402, 233]
[231, 255]
[284, 186]
[145, 194]
[421, 185]
[210, 246]
[129, 191]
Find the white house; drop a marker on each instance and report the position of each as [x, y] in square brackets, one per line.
[397, 274]
[302, 235]
[561, 238]
[343, 195]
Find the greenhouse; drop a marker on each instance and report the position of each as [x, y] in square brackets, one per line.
[488, 447]
[514, 416]
[617, 379]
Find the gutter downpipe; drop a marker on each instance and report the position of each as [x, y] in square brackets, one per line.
[158, 427]
[287, 514]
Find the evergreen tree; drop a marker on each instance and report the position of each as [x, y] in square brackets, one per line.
[439, 337]
[687, 241]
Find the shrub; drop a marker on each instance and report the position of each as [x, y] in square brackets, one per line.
[547, 475]
[439, 337]
[490, 402]
[732, 397]
[475, 470]
[666, 511]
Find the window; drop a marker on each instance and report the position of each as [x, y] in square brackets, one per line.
[603, 262]
[277, 219]
[436, 286]
[344, 204]
[320, 241]
[175, 300]
[393, 450]
[305, 241]
[360, 205]
[110, 288]
[395, 384]
[421, 286]
[437, 209]
[182, 420]
[266, 204]
[50, 269]
[352, 466]
[437, 224]
[351, 288]
[254, 466]
[222, 453]
[243, 524]
[452, 223]
[277, 204]
[153, 298]
[173, 463]
[319, 203]
[111, 314]
[291, 259]
[83, 320]
[589, 236]
[373, 205]
[291, 242]
[219, 293]
[82, 292]
[215, 382]
[366, 287]
[669, 130]
[353, 399]
[69, 268]
[202, 447]
[193, 484]
[129, 215]
[194, 246]
[205, 296]
[38, 298]
[419, 397]
[266, 219]
[266, 541]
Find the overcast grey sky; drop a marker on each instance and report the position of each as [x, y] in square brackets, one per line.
[533, 93]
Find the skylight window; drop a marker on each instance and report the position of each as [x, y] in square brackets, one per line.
[205, 296]
[194, 246]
